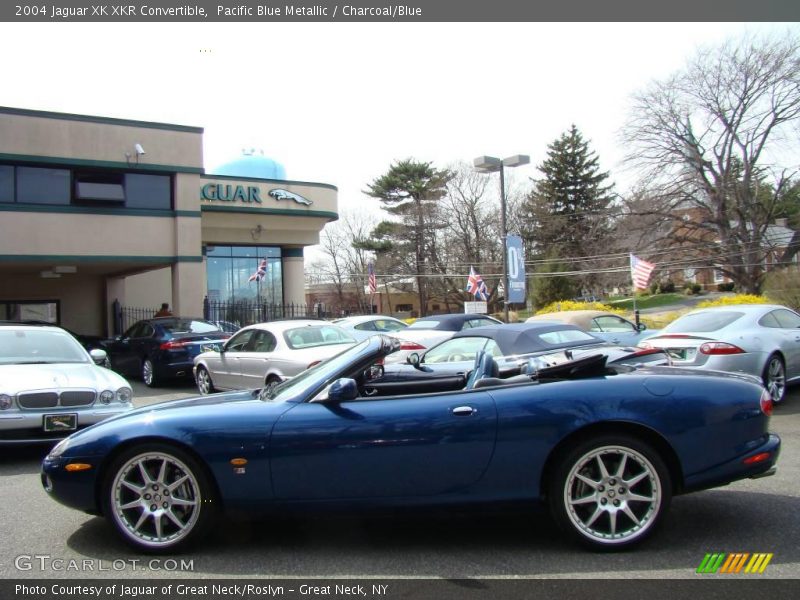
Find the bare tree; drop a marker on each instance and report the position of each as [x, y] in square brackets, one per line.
[704, 139]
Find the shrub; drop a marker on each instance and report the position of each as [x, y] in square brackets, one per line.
[725, 287]
[560, 305]
[731, 300]
[666, 287]
[693, 288]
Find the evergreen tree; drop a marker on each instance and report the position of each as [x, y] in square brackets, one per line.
[410, 190]
[567, 215]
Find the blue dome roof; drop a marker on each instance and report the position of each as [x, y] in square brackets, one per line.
[252, 165]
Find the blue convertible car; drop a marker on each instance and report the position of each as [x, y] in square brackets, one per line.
[605, 447]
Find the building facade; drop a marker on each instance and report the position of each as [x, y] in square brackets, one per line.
[95, 210]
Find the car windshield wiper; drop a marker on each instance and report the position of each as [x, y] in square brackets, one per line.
[35, 362]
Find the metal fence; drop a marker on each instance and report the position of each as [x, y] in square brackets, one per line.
[247, 312]
[125, 316]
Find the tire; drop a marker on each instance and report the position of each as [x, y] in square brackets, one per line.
[159, 498]
[271, 383]
[774, 377]
[203, 380]
[615, 508]
[149, 373]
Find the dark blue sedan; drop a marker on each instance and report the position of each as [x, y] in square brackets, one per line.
[604, 447]
[162, 348]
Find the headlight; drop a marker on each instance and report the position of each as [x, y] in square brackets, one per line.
[5, 401]
[59, 448]
[106, 396]
[124, 394]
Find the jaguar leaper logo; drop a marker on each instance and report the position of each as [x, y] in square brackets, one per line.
[733, 563]
[280, 194]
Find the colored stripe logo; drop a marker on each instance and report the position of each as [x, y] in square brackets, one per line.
[735, 562]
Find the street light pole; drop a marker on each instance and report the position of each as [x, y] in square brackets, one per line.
[489, 164]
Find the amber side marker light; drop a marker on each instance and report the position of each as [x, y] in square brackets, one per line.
[238, 462]
[72, 467]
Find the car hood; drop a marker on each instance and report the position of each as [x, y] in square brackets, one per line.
[18, 378]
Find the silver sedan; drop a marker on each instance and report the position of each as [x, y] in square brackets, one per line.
[50, 386]
[759, 339]
[266, 354]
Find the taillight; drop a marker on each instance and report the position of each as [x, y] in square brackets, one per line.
[756, 458]
[766, 403]
[714, 348]
[172, 345]
[405, 345]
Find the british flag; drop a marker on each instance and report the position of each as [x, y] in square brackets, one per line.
[261, 272]
[476, 286]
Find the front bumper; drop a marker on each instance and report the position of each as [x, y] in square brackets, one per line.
[27, 426]
[73, 489]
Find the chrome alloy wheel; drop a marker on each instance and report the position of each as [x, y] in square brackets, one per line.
[147, 372]
[775, 378]
[204, 384]
[612, 495]
[155, 499]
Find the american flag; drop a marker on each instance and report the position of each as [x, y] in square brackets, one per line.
[640, 272]
[261, 272]
[373, 284]
[476, 286]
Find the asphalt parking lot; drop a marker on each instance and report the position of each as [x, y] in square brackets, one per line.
[41, 537]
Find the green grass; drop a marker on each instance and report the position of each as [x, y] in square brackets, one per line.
[647, 301]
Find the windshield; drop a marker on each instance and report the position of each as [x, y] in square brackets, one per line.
[703, 322]
[424, 324]
[310, 379]
[39, 346]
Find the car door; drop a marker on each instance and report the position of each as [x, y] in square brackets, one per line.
[398, 446]
[122, 351]
[255, 359]
[789, 322]
[226, 373]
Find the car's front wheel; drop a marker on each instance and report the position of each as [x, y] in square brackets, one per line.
[158, 498]
[774, 377]
[203, 379]
[609, 492]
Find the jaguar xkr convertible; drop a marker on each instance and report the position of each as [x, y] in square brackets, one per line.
[604, 447]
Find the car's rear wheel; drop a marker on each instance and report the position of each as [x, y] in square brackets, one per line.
[158, 498]
[149, 373]
[609, 492]
[774, 377]
[203, 379]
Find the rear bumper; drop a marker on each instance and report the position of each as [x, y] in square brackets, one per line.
[737, 469]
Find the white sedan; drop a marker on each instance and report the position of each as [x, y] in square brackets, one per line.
[365, 326]
[266, 354]
[50, 386]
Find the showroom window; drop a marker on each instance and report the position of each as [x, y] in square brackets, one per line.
[6, 183]
[42, 185]
[229, 269]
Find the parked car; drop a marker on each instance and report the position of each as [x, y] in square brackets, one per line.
[759, 339]
[50, 385]
[266, 354]
[606, 325]
[89, 342]
[604, 448]
[446, 365]
[429, 331]
[365, 326]
[161, 348]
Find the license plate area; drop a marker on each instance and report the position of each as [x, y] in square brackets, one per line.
[685, 354]
[61, 422]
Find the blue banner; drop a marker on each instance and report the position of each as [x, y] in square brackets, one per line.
[516, 269]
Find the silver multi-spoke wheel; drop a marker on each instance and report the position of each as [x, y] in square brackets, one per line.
[148, 374]
[156, 499]
[204, 384]
[775, 378]
[611, 494]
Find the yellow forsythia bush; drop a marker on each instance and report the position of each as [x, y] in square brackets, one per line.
[575, 305]
[737, 299]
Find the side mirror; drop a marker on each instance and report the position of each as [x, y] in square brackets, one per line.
[413, 359]
[342, 390]
[641, 327]
[99, 356]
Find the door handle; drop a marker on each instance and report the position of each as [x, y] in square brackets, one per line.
[463, 411]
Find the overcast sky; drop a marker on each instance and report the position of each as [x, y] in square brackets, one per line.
[337, 103]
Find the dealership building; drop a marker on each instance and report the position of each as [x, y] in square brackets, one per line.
[95, 210]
